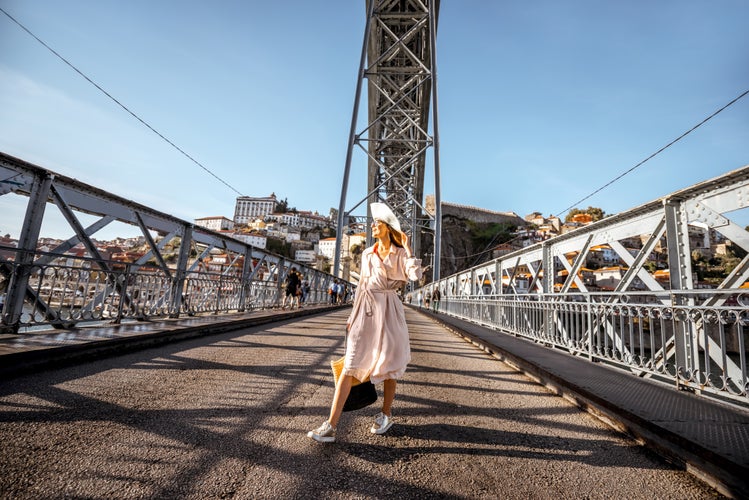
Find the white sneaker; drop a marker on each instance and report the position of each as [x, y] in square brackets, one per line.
[323, 434]
[382, 424]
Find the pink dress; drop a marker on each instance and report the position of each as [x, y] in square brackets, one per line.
[377, 346]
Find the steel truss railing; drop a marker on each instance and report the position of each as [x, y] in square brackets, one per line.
[68, 291]
[635, 336]
[61, 288]
[668, 326]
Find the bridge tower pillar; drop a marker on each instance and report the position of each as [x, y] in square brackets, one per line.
[398, 61]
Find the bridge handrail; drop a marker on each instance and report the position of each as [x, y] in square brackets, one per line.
[669, 326]
[643, 338]
[251, 277]
[64, 290]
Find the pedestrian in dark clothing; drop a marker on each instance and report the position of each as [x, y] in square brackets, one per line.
[292, 287]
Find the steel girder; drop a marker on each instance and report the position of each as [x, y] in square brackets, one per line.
[399, 63]
[73, 198]
[707, 205]
[710, 207]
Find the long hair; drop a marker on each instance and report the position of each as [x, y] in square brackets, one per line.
[395, 236]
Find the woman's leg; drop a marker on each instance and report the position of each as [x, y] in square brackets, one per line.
[342, 390]
[388, 396]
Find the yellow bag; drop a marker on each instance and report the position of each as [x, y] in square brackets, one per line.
[362, 393]
[337, 366]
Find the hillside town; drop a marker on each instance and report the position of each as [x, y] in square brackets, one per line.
[309, 238]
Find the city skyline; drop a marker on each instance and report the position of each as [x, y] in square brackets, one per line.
[60, 229]
[540, 105]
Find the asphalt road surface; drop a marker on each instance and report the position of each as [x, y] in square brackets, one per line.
[226, 416]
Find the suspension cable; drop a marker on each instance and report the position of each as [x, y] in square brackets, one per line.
[134, 115]
[654, 154]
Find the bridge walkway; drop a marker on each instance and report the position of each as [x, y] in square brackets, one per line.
[223, 412]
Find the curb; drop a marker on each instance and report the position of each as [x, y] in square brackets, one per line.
[164, 332]
[727, 477]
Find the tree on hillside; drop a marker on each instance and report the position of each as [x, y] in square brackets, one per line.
[356, 252]
[278, 247]
[595, 212]
[485, 236]
[283, 206]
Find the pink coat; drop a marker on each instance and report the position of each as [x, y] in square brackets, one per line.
[378, 346]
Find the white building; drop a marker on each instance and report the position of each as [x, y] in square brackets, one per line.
[354, 239]
[249, 208]
[304, 220]
[293, 236]
[218, 223]
[285, 218]
[326, 247]
[608, 278]
[311, 220]
[602, 256]
[256, 240]
[276, 233]
[305, 256]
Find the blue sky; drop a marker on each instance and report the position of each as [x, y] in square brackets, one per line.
[541, 102]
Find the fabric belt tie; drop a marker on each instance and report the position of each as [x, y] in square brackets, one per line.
[369, 299]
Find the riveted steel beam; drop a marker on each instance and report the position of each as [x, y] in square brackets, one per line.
[399, 63]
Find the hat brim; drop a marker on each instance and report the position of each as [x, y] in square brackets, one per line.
[382, 212]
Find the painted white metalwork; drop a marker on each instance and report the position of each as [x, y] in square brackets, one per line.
[669, 326]
[62, 289]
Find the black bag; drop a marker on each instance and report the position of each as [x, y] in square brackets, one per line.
[362, 393]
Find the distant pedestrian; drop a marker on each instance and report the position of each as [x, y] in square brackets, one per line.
[331, 292]
[339, 292]
[305, 291]
[292, 288]
[436, 296]
[377, 346]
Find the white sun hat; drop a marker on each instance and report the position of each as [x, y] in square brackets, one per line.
[382, 212]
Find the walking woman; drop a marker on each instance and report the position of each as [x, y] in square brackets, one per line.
[377, 345]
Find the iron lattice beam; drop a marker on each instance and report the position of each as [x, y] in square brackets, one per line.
[24, 270]
[398, 62]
